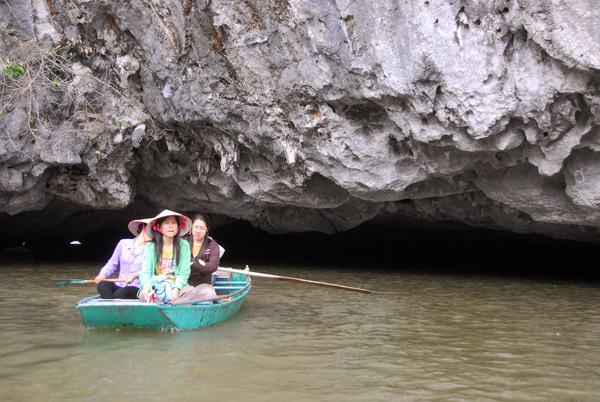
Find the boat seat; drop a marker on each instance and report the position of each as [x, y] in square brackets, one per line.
[217, 287]
[221, 274]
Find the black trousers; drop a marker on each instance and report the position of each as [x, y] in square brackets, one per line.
[108, 290]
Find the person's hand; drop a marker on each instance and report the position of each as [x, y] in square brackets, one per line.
[198, 264]
[174, 294]
[146, 292]
[130, 278]
[99, 278]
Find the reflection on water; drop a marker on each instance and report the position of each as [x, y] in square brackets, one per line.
[418, 337]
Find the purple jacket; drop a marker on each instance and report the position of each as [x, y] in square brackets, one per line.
[125, 258]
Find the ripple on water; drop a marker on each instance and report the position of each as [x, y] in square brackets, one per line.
[418, 337]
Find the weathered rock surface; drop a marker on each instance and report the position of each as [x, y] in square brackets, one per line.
[312, 115]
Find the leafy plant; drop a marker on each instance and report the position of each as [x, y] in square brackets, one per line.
[14, 70]
[121, 124]
[34, 78]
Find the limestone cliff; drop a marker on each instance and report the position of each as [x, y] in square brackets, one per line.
[301, 115]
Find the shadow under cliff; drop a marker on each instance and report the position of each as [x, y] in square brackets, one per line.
[368, 247]
[376, 247]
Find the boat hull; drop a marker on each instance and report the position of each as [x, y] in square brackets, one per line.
[101, 313]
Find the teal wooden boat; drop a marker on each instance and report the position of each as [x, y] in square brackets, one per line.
[119, 313]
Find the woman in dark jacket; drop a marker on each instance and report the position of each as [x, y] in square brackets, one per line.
[206, 256]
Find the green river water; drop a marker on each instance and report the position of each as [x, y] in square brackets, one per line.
[418, 337]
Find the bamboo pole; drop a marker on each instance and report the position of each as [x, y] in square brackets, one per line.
[291, 279]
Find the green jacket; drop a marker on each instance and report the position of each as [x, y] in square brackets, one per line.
[182, 270]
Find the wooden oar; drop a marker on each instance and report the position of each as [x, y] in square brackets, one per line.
[289, 278]
[68, 282]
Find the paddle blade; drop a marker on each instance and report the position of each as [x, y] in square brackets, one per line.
[69, 282]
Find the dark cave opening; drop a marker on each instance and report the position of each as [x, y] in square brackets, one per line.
[369, 247]
[376, 247]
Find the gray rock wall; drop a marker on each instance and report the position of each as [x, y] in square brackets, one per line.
[313, 115]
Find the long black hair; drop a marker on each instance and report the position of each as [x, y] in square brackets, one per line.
[158, 239]
[206, 219]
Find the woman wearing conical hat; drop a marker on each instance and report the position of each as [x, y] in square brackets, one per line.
[167, 254]
[127, 257]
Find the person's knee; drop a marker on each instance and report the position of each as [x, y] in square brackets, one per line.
[206, 291]
[106, 289]
[127, 292]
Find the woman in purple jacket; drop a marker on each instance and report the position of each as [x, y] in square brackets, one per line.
[128, 258]
[206, 255]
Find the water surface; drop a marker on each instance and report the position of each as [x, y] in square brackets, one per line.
[419, 336]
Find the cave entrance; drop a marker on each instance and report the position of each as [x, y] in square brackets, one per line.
[367, 247]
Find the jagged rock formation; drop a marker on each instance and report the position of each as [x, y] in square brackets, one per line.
[309, 115]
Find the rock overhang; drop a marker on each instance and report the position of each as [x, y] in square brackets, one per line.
[319, 118]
